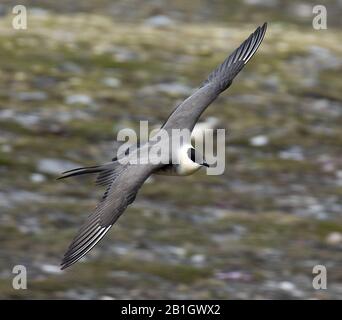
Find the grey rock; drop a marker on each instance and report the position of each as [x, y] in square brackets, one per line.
[159, 21]
[7, 114]
[265, 3]
[106, 298]
[55, 166]
[27, 120]
[272, 83]
[125, 55]
[3, 10]
[233, 275]
[173, 89]
[324, 58]
[6, 148]
[198, 259]
[38, 12]
[71, 67]
[32, 96]
[259, 141]
[301, 10]
[37, 178]
[294, 153]
[50, 268]
[79, 99]
[112, 82]
[29, 225]
[334, 238]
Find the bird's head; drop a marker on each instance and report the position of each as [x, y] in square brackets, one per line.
[196, 157]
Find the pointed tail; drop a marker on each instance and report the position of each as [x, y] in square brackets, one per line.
[107, 172]
[80, 171]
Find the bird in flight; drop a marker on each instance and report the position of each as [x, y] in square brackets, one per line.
[122, 180]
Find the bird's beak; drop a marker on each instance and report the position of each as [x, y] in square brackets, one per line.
[205, 164]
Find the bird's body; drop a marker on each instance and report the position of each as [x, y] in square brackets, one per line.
[123, 176]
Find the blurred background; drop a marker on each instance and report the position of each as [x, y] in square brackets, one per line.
[83, 70]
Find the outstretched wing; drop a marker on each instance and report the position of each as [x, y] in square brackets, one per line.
[119, 194]
[186, 114]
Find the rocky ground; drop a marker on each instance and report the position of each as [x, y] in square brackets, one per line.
[71, 81]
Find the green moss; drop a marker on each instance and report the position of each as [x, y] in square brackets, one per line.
[285, 165]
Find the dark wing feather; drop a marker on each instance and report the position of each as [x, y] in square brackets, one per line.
[115, 200]
[186, 114]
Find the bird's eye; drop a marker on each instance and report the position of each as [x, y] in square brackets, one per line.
[192, 154]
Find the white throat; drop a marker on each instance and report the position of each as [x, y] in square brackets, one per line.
[185, 165]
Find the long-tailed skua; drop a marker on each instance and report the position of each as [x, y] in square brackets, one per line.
[122, 180]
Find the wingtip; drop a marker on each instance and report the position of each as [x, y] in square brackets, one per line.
[264, 26]
[63, 175]
[261, 29]
[65, 264]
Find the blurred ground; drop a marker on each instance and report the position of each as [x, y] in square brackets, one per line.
[81, 72]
